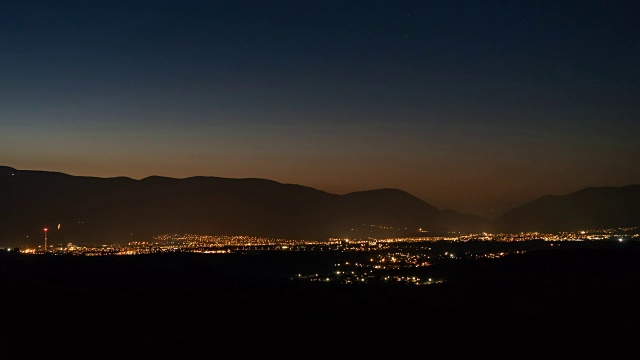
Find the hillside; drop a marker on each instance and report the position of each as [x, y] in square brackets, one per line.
[118, 210]
[554, 303]
[590, 208]
[91, 210]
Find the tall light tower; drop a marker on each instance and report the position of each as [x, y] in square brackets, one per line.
[45, 239]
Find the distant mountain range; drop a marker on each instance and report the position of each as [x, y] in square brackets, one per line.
[590, 208]
[92, 210]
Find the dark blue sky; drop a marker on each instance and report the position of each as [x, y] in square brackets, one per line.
[471, 105]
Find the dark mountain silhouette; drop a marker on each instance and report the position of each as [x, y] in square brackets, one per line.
[590, 208]
[92, 210]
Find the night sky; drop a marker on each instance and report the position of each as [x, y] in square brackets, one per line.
[476, 106]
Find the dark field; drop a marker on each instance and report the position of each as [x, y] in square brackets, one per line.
[568, 303]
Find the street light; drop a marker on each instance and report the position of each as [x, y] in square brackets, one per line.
[45, 239]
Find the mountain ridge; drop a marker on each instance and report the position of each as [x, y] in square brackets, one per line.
[122, 209]
[119, 210]
[587, 208]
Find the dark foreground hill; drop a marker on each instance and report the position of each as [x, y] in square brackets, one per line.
[545, 304]
[590, 208]
[89, 210]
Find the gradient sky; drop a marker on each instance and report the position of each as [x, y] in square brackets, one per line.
[475, 106]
